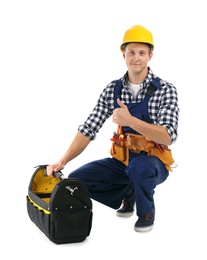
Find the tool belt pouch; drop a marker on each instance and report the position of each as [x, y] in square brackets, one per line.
[138, 143]
[120, 151]
[165, 157]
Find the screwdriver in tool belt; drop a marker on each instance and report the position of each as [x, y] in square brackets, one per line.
[160, 148]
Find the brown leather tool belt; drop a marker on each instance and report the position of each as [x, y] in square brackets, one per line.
[122, 143]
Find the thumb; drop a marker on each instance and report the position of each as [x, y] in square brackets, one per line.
[120, 103]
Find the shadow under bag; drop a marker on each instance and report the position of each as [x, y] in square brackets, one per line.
[60, 207]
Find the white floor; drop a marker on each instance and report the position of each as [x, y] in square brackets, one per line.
[179, 231]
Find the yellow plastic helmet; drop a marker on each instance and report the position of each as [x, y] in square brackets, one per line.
[137, 33]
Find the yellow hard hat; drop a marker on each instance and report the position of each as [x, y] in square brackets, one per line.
[137, 33]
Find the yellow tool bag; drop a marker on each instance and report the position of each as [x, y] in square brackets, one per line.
[60, 207]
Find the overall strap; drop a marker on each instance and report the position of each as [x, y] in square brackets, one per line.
[154, 85]
[117, 92]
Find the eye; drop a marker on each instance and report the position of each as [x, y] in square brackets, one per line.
[131, 52]
[142, 53]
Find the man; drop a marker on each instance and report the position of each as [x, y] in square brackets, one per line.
[145, 109]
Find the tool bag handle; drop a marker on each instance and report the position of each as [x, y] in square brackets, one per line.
[58, 174]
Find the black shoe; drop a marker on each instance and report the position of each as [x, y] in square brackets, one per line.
[146, 222]
[127, 208]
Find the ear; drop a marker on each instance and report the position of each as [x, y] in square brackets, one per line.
[150, 56]
[123, 53]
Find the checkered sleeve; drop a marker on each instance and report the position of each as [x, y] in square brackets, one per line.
[101, 112]
[164, 109]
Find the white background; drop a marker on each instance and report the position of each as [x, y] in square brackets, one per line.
[55, 59]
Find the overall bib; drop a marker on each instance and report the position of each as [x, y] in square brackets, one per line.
[109, 180]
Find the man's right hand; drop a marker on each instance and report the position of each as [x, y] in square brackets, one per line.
[54, 168]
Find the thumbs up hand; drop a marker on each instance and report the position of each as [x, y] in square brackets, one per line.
[121, 104]
[121, 116]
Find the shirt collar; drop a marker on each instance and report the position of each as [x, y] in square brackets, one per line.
[150, 76]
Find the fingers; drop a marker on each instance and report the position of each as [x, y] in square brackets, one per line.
[54, 168]
[50, 170]
[120, 103]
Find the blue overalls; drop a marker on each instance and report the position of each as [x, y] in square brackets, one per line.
[109, 180]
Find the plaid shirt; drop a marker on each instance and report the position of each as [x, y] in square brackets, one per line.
[163, 106]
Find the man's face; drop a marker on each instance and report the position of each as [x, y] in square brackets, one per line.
[137, 56]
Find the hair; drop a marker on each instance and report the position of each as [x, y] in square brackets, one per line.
[151, 47]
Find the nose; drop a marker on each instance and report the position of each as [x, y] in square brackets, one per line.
[136, 56]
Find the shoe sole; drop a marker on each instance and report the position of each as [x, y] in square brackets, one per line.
[143, 229]
[124, 215]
